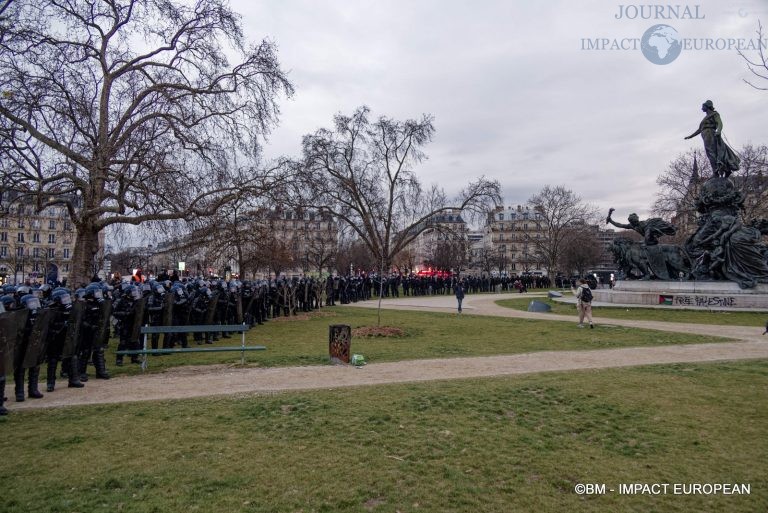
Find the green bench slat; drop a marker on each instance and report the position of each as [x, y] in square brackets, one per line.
[130, 352]
[207, 328]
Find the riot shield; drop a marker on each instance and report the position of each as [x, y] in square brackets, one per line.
[212, 304]
[138, 319]
[238, 308]
[187, 319]
[21, 343]
[74, 327]
[102, 328]
[248, 315]
[11, 332]
[167, 316]
[168, 300]
[37, 341]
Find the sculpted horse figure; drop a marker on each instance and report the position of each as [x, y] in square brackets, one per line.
[632, 259]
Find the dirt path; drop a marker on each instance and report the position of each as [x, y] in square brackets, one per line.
[189, 382]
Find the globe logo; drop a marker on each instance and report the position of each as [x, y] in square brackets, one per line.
[661, 44]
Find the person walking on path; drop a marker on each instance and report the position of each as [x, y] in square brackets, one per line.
[584, 303]
[458, 289]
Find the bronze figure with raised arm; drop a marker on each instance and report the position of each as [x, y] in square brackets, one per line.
[721, 157]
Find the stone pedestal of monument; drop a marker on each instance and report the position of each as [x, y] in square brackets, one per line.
[715, 295]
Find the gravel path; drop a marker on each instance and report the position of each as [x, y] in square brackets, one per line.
[189, 382]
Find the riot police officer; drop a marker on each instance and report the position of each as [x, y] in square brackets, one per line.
[126, 310]
[61, 304]
[91, 346]
[23, 359]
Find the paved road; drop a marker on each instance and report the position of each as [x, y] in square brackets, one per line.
[189, 382]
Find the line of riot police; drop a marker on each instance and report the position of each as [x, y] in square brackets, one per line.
[52, 326]
[69, 331]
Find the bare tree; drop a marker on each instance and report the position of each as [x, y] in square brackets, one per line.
[556, 210]
[133, 107]
[680, 185]
[354, 254]
[582, 249]
[405, 261]
[758, 65]
[449, 254]
[485, 259]
[362, 172]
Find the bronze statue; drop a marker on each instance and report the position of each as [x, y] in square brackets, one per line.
[721, 157]
[650, 229]
[655, 257]
[739, 253]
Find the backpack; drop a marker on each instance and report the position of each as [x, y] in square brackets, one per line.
[586, 294]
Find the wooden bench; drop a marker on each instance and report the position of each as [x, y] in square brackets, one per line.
[212, 328]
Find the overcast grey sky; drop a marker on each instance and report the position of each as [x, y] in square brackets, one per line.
[514, 95]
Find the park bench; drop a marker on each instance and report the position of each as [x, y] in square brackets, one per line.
[214, 328]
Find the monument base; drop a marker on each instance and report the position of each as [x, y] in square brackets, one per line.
[714, 295]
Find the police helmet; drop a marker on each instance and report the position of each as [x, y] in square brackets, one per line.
[30, 302]
[93, 291]
[9, 302]
[61, 297]
[134, 292]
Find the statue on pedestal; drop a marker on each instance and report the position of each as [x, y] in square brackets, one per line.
[651, 259]
[721, 157]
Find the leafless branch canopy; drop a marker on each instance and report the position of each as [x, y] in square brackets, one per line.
[758, 65]
[362, 172]
[134, 107]
[559, 210]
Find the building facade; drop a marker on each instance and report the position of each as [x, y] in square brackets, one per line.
[35, 246]
[444, 245]
[510, 236]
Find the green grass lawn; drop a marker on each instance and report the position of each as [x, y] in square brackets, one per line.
[426, 335]
[649, 314]
[489, 445]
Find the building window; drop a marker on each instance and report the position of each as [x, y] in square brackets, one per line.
[66, 252]
[51, 238]
[66, 268]
[52, 224]
[20, 237]
[4, 251]
[3, 236]
[19, 252]
[501, 217]
[36, 237]
[21, 222]
[36, 267]
[67, 225]
[51, 252]
[36, 253]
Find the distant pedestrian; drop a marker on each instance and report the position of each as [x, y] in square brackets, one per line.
[584, 302]
[458, 290]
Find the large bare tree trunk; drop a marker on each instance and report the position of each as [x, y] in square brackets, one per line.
[86, 247]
